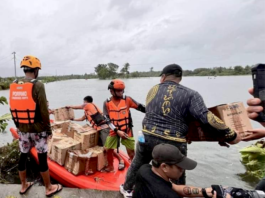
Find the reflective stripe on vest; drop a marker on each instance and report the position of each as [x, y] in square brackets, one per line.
[22, 105]
[119, 115]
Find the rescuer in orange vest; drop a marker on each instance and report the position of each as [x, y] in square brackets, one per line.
[95, 117]
[117, 109]
[28, 106]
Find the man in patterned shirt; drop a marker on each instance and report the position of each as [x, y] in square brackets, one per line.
[169, 109]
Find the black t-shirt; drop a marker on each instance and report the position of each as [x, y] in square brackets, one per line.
[150, 185]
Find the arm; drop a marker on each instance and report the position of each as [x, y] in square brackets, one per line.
[200, 112]
[105, 109]
[133, 104]
[190, 191]
[76, 107]
[80, 119]
[42, 103]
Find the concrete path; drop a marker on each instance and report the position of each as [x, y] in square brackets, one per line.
[12, 191]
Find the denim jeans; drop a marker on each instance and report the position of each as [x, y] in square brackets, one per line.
[143, 156]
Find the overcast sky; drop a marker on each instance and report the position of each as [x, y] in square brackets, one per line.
[73, 36]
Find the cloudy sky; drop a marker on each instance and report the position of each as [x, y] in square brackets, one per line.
[73, 36]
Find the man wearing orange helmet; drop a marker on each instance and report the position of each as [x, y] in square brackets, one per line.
[117, 109]
[28, 106]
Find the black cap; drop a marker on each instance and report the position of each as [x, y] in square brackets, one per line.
[169, 154]
[172, 69]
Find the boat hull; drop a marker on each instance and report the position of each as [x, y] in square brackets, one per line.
[98, 181]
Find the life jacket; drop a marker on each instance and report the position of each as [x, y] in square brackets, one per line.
[120, 115]
[22, 104]
[94, 115]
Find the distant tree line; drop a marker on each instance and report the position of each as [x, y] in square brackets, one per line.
[5, 82]
[47, 79]
[111, 70]
[219, 71]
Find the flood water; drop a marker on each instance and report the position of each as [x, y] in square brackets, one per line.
[216, 164]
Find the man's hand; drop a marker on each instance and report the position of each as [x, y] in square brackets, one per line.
[238, 138]
[254, 134]
[209, 192]
[122, 134]
[215, 195]
[68, 107]
[253, 107]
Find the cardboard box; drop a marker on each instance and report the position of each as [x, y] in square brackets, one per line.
[61, 147]
[99, 152]
[234, 115]
[73, 164]
[52, 141]
[81, 162]
[68, 128]
[63, 114]
[59, 124]
[74, 128]
[87, 126]
[88, 139]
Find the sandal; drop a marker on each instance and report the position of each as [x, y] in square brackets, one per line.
[29, 186]
[107, 170]
[57, 190]
[121, 165]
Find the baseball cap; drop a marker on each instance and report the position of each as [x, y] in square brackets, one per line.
[169, 154]
[172, 69]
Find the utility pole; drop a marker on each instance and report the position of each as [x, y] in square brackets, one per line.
[15, 63]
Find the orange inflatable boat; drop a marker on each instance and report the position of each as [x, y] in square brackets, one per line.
[98, 181]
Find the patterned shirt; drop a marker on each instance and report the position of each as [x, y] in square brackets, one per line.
[170, 107]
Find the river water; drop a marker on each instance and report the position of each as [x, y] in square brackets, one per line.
[216, 165]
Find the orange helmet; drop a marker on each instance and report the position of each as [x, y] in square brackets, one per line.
[30, 61]
[116, 84]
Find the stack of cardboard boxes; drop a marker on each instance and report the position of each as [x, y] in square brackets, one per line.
[75, 147]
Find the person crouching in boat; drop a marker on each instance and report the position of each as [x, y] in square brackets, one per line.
[94, 115]
[28, 106]
[117, 109]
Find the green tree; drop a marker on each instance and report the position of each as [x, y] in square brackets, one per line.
[247, 70]
[100, 67]
[106, 70]
[238, 70]
[125, 70]
[112, 68]
[151, 69]
[4, 118]
[135, 74]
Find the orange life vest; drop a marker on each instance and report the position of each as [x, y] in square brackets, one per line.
[22, 105]
[120, 115]
[94, 115]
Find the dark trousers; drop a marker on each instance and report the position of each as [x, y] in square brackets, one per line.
[143, 156]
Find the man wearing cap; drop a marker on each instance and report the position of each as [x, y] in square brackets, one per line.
[155, 181]
[169, 109]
